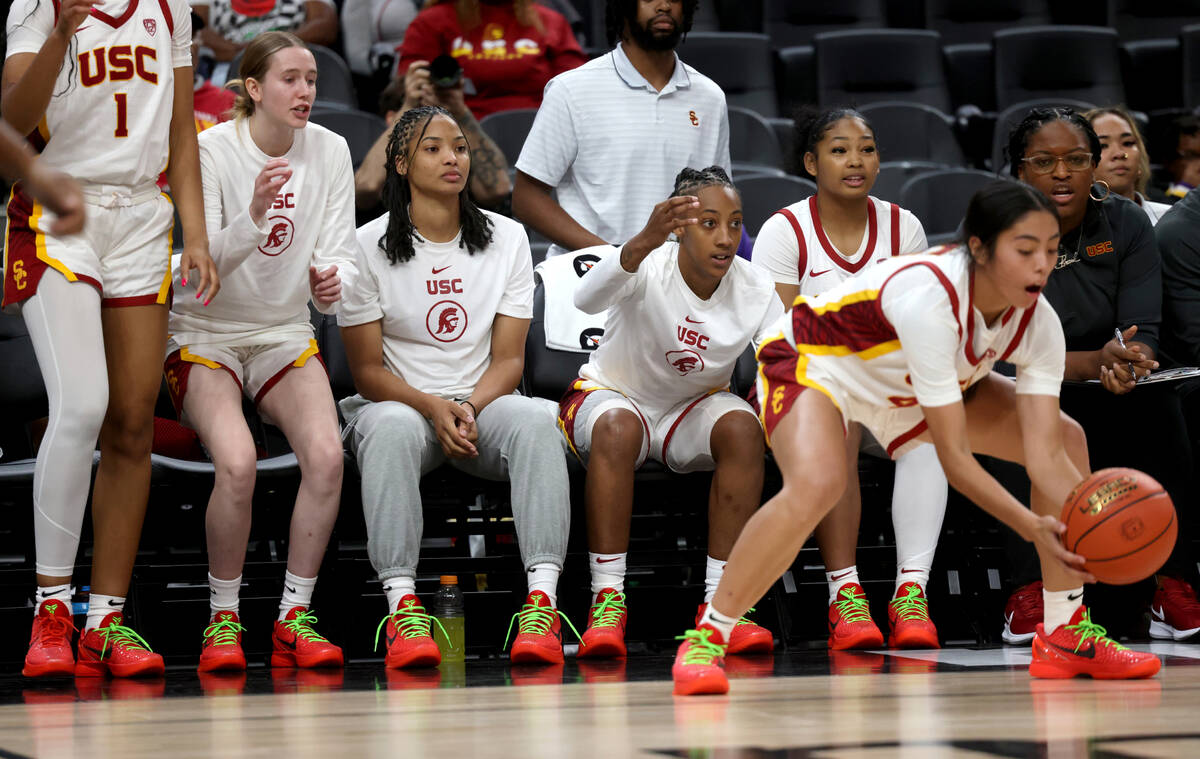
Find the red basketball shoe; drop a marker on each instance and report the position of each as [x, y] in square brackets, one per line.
[539, 632]
[605, 633]
[1022, 614]
[296, 644]
[908, 618]
[222, 649]
[114, 648]
[1081, 647]
[1174, 613]
[409, 643]
[50, 651]
[699, 667]
[747, 637]
[850, 623]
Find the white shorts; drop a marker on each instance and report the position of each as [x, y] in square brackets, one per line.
[680, 437]
[124, 250]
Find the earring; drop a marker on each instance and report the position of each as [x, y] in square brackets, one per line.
[1107, 191]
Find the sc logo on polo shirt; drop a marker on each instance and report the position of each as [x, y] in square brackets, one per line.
[692, 117]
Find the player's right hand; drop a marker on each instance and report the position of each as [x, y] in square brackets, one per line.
[445, 416]
[671, 215]
[418, 89]
[60, 194]
[1046, 540]
[266, 186]
[71, 14]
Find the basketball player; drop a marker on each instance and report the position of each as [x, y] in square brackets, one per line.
[53, 189]
[809, 247]
[279, 204]
[106, 99]
[906, 349]
[680, 312]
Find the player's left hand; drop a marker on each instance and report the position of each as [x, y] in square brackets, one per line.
[60, 194]
[197, 259]
[1046, 538]
[326, 286]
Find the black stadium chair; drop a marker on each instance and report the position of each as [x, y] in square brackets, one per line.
[939, 198]
[1145, 67]
[753, 147]
[1190, 37]
[1011, 116]
[508, 129]
[1151, 19]
[764, 195]
[1077, 62]
[913, 132]
[335, 85]
[359, 128]
[785, 135]
[548, 372]
[893, 175]
[795, 22]
[859, 67]
[795, 77]
[739, 62]
[962, 21]
[971, 75]
[22, 399]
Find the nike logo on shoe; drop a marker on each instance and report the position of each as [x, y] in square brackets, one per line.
[1158, 613]
[1087, 653]
[1008, 618]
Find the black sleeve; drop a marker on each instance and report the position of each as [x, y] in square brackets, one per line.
[1179, 243]
[1139, 292]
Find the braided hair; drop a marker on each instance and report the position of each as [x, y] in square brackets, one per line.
[812, 124]
[1018, 138]
[397, 240]
[617, 12]
[691, 181]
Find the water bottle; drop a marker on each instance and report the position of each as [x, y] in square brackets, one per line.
[449, 609]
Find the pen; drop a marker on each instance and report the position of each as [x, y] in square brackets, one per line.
[1121, 342]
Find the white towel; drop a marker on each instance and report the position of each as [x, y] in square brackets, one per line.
[567, 328]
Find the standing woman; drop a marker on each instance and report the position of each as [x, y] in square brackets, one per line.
[279, 201]
[107, 100]
[809, 247]
[1124, 164]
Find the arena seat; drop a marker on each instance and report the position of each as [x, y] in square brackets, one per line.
[939, 198]
[753, 146]
[740, 63]
[1151, 19]
[764, 195]
[795, 77]
[913, 132]
[22, 399]
[335, 85]
[893, 175]
[789, 22]
[963, 21]
[548, 373]
[359, 128]
[970, 75]
[1086, 64]
[1190, 38]
[914, 71]
[785, 130]
[508, 129]
[1011, 116]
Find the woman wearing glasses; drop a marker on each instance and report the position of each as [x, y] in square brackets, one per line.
[1107, 290]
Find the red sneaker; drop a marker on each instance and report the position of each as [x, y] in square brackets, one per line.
[296, 644]
[604, 637]
[1175, 613]
[908, 618]
[1023, 614]
[222, 649]
[113, 647]
[1081, 647]
[700, 664]
[50, 651]
[539, 632]
[747, 637]
[850, 623]
[409, 643]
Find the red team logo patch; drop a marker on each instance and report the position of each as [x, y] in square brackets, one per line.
[446, 321]
[151, 25]
[685, 361]
[279, 238]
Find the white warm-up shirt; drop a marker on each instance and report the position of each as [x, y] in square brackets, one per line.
[663, 344]
[438, 307]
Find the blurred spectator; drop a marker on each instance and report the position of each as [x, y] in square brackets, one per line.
[1179, 243]
[507, 50]
[372, 31]
[231, 24]
[1182, 149]
[1124, 162]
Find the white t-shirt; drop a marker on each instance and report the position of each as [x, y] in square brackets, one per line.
[109, 119]
[438, 307]
[612, 145]
[663, 344]
[793, 247]
[264, 270]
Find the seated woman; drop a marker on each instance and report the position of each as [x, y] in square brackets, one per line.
[1124, 164]
[679, 315]
[279, 213]
[809, 247]
[906, 348]
[434, 329]
[229, 25]
[507, 50]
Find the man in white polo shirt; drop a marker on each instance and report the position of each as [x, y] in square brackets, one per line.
[611, 135]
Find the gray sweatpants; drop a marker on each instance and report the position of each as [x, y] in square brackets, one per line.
[518, 441]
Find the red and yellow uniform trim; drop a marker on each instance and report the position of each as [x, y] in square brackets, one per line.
[25, 256]
[568, 407]
[308, 353]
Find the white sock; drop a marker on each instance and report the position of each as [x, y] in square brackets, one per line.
[840, 577]
[297, 591]
[544, 577]
[714, 569]
[99, 607]
[1059, 606]
[608, 571]
[223, 594]
[398, 587]
[918, 506]
[911, 573]
[718, 621]
[61, 593]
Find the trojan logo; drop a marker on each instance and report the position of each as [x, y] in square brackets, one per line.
[685, 361]
[584, 262]
[151, 26]
[1107, 493]
[589, 339]
[446, 321]
[279, 238]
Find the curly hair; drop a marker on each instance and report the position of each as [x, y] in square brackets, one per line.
[1018, 138]
[397, 240]
[617, 12]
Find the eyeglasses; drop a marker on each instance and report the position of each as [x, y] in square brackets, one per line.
[1044, 164]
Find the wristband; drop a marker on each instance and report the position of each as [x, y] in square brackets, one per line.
[474, 412]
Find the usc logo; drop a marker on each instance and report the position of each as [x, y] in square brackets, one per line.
[1099, 249]
[692, 117]
[20, 275]
[777, 399]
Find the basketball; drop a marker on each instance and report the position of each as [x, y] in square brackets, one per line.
[1122, 522]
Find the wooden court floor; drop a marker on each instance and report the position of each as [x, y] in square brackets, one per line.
[954, 703]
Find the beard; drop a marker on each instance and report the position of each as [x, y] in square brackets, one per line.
[653, 40]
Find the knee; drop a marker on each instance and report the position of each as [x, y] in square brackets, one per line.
[617, 435]
[393, 429]
[322, 461]
[815, 492]
[128, 429]
[236, 471]
[738, 436]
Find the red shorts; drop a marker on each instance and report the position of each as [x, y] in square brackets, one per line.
[778, 387]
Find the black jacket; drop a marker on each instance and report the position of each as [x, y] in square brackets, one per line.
[1178, 234]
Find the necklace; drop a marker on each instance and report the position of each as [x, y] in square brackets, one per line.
[1063, 262]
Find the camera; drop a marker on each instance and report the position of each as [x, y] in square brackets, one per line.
[445, 72]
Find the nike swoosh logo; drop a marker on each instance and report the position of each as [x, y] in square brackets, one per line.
[812, 273]
[1008, 618]
[289, 643]
[843, 574]
[289, 589]
[98, 653]
[605, 561]
[1158, 613]
[690, 320]
[439, 271]
[1075, 597]
[114, 603]
[908, 571]
[1087, 653]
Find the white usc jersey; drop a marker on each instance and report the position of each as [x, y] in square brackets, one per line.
[264, 270]
[108, 121]
[793, 247]
[905, 333]
[662, 343]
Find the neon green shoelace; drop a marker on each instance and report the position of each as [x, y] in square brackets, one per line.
[535, 620]
[120, 635]
[702, 650]
[410, 623]
[223, 632]
[912, 606]
[607, 613]
[853, 607]
[1087, 629]
[301, 627]
[745, 620]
